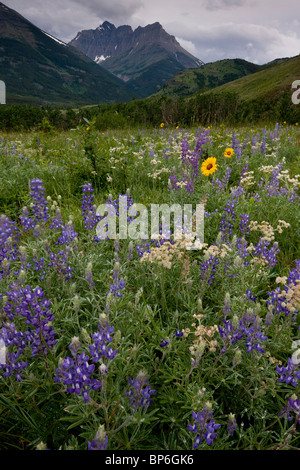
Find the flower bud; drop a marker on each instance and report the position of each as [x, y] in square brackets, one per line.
[257, 308]
[5, 266]
[73, 288]
[231, 425]
[117, 336]
[201, 348]
[208, 406]
[201, 392]
[233, 241]
[9, 240]
[109, 299]
[142, 375]
[235, 321]
[41, 446]
[238, 261]
[75, 345]
[101, 434]
[22, 250]
[86, 336]
[138, 296]
[76, 303]
[22, 277]
[3, 352]
[89, 267]
[227, 304]
[199, 305]
[102, 368]
[219, 239]
[37, 231]
[103, 319]
[133, 352]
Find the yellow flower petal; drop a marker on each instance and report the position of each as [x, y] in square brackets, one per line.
[209, 166]
[228, 153]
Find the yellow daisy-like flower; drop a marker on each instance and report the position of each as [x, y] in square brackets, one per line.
[209, 166]
[228, 153]
[162, 124]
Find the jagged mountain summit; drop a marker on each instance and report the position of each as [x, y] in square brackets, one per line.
[144, 58]
[40, 69]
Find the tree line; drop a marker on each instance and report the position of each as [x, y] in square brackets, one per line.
[200, 109]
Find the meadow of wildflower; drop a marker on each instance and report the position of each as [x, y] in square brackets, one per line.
[143, 344]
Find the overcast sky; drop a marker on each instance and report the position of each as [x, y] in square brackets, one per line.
[257, 31]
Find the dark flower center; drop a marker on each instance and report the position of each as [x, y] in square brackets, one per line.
[209, 166]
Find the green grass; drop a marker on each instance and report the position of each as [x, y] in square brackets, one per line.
[266, 82]
[211, 75]
[158, 300]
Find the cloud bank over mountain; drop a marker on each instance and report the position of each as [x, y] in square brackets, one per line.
[209, 29]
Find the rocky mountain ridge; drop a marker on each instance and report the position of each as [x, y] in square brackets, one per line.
[40, 69]
[144, 58]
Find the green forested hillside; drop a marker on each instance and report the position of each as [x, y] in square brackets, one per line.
[211, 75]
[269, 81]
[39, 69]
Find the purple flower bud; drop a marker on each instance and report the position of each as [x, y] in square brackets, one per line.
[140, 393]
[204, 426]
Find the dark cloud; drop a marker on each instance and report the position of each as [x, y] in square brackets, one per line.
[210, 29]
[116, 11]
[65, 19]
[254, 43]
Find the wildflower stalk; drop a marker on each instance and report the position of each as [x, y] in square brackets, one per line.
[290, 436]
[41, 337]
[213, 366]
[163, 293]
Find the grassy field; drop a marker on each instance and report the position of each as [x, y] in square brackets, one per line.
[143, 343]
[266, 82]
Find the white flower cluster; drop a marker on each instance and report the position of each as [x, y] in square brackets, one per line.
[247, 180]
[293, 182]
[267, 230]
